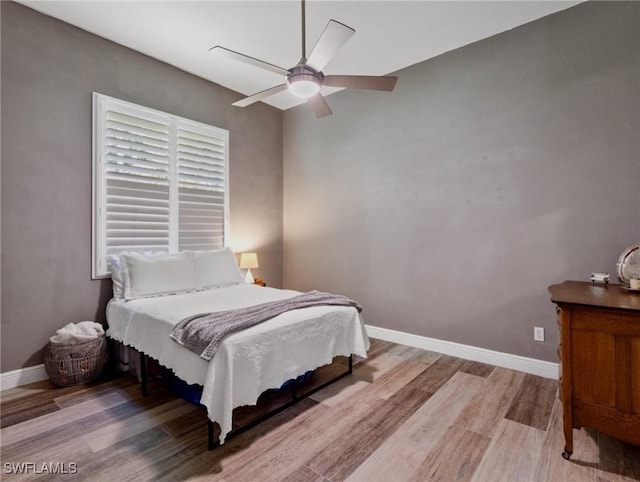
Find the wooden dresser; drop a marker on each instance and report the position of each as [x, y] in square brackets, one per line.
[599, 359]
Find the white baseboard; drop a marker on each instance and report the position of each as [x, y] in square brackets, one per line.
[507, 360]
[22, 376]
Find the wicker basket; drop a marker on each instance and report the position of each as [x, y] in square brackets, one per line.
[69, 365]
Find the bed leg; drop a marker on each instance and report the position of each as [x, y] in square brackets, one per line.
[351, 363]
[143, 374]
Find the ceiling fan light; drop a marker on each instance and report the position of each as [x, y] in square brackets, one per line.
[303, 85]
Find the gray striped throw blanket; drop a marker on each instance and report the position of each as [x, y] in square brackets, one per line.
[203, 333]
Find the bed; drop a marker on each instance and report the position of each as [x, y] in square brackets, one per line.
[146, 308]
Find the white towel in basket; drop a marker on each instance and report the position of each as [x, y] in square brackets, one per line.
[74, 333]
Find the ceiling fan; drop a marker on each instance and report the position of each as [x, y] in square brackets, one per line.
[305, 79]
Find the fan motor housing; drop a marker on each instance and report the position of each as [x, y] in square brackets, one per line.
[303, 81]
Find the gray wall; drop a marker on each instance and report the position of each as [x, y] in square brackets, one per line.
[49, 70]
[448, 206]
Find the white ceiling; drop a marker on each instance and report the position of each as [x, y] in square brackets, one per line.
[390, 35]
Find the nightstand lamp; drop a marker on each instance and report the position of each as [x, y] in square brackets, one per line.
[248, 261]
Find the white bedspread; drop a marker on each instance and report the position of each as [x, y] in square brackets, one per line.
[248, 362]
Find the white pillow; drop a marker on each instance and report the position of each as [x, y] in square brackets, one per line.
[116, 276]
[216, 268]
[146, 275]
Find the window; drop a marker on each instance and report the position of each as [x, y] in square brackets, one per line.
[159, 182]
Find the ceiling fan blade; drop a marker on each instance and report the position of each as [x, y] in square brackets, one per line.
[260, 95]
[368, 82]
[232, 54]
[319, 106]
[333, 37]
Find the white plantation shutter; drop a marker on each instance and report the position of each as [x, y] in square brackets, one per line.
[136, 170]
[201, 187]
[160, 182]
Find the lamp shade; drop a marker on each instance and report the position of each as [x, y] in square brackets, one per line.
[248, 261]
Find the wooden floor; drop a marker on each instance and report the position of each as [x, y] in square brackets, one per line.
[404, 414]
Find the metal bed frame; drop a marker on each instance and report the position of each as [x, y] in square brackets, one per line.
[295, 398]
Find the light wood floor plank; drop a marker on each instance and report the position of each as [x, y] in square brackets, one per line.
[37, 426]
[338, 392]
[370, 371]
[415, 361]
[158, 457]
[304, 442]
[484, 412]
[341, 457]
[513, 454]
[377, 348]
[439, 373]
[26, 391]
[455, 457]
[89, 392]
[116, 432]
[580, 468]
[116, 460]
[68, 451]
[308, 437]
[411, 353]
[271, 447]
[304, 474]
[398, 377]
[403, 452]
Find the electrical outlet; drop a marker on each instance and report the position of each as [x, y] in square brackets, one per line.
[538, 333]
